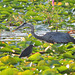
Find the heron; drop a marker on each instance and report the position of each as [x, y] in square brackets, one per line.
[27, 51]
[50, 37]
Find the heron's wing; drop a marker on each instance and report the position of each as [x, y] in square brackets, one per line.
[61, 38]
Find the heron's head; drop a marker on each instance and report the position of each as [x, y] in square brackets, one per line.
[23, 25]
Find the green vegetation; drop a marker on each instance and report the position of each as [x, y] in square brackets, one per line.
[59, 59]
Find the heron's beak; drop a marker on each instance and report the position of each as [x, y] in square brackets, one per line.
[19, 27]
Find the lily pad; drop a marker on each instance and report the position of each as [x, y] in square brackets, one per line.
[62, 69]
[6, 49]
[9, 71]
[3, 67]
[17, 49]
[23, 0]
[26, 72]
[38, 18]
[50, 72]
[37, 43]
[17, 7]
[1, 44]
[7, 0]
[31, 13]
[36, 56]
[5, 13]
[4, 27]
[2, 64]
[43, 67]
[42, 63]
[73, 69]
[54, 62]
[68, 55]
[8, 60]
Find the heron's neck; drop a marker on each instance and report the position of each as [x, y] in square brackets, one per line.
[36, 36]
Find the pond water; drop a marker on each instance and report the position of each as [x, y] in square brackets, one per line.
[19, 34]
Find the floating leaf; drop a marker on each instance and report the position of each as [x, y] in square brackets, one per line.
[3, 67]
[36, 56]
[6, 49]
[1, 64]
[8, 60]
[42, 63]
[50, 72]
[9, 71]
[54, 62]
[7, 0]
[37, 43]
[68, 55]
[17, 49]
[38, 18]
[23, 0]
[73, 69]
[31, 13]
[26, 72]
[43, 67]
[62, 69]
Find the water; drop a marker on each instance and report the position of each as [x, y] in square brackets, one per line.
[19, 34]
